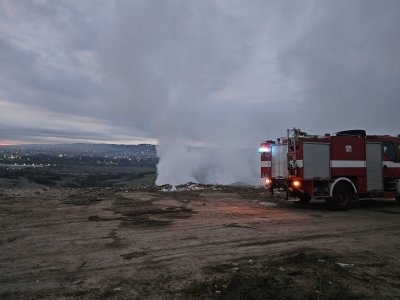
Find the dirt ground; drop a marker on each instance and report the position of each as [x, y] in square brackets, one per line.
[198, 243]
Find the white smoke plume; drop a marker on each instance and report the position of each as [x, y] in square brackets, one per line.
[188, 74]
[180, 164]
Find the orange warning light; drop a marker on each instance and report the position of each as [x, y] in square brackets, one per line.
[296, 184]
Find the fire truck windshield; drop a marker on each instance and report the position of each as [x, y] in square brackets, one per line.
[390, 151]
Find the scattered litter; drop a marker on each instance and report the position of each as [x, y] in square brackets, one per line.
[167, 188]
[234, 270]
[218, 292]
[344, 265]
[281, 269]
[193, 186]
[321, 260]
[117, 289]
[190, 186]
[268, 204]
[251, 262]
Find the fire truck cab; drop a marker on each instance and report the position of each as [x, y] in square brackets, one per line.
[339, 168]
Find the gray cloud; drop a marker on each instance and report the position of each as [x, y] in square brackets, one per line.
[350, 64]
[226, 74]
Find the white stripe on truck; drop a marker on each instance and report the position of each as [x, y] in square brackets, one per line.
[348, 164]
[265, 164]
[339, 164]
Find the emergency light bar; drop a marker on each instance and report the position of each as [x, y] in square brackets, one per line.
[264, 149]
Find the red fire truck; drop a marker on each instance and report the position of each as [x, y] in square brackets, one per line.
[338, 168]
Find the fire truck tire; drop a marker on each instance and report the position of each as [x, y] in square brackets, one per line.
[341, 197]
[398, 199]
[305, 198]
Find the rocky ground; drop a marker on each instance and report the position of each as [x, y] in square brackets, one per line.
[196, 242]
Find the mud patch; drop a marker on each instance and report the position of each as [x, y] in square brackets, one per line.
[131, 255]
[98, 219]
[136, 213]
[116, 241]
[385, 211]
[252, 193]
[82, 200]
[183, 197]
[239, 225]
[143, 222]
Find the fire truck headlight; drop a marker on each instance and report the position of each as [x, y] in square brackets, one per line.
[296, 184]
[268, 181]
[264, 149]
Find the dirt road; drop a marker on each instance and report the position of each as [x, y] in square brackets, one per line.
[224, 243]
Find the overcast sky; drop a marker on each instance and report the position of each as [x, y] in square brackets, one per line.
[222, 73]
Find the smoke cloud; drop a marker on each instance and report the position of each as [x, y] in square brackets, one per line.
[185, 70]
[180, 164]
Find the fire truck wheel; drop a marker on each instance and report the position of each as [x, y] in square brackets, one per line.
[341, 197]
[305, 198]
[398, 199]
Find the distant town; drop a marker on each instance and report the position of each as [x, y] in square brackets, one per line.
[21, 156]
[78, 165]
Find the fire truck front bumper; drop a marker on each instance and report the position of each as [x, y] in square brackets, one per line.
[275, 183]
[296, 193]
[293, 185]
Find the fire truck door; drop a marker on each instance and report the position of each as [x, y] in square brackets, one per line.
[374, 167]
[316, 159]
[279, 161]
